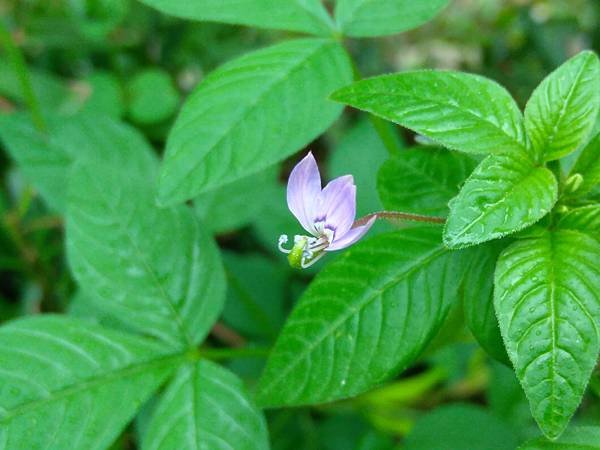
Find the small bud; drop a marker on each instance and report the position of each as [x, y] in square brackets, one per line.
[573, 183]
[562, 209]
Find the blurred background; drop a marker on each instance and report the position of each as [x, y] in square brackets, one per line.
[127, 61]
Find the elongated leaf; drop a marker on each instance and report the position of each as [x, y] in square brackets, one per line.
[361, 18]
[546, 298]
[574, 438]
[562, 110]
[71, 384]
[297, 15]
[458, 110]
[588, 166]
[45, 160]
[423, 180]
[504, 194]
[478, 298]
[239, 203]
[279, 105]
[155, 269]
[585, 219]
[206, 407]
[364, 318]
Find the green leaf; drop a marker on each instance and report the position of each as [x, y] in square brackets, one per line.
[307, 16]
[71, 384]
[278, 106]
[364, 318]
[121, 246]
[152, 97]
[237, 204]
[458, 110]
[574, 438]
[504, 194]
[45, 160]
[103, 94]
[423, 180]
[563, 108]
[206, 407]
[546, 298]
[588, 166]
[256, 288]
[478, 298]
[463, 427]
[363, 18]
[361, 153]
[585, 219]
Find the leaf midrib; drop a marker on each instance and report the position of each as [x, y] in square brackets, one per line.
[440, 250]
[90, 383]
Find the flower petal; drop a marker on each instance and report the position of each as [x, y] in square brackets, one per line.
[351, 236]
[337, 205]
[304, 186]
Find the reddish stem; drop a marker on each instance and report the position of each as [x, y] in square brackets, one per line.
[397, 215]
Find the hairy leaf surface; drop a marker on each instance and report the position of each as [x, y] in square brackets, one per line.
[361, 18]
[458, 110]
[562, 110]
[62, 380]
[504, 194]
[365, 317]
[547, 298]
[205, 407]
[251, 113]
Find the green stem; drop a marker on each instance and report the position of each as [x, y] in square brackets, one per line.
[16, 59]
[231, 353]
[382, 127]
[397, 215]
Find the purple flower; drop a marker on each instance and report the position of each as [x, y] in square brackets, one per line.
[327, 214]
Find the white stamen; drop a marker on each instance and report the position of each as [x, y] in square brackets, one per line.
[306, 265]
[283, 240]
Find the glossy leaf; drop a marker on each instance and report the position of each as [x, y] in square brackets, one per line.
[237, 204]
[278, 106]
[588, 166]
[205, 407]
[585, 219]
[574, 438]
[363, 18]
[121, 246]
[478, 297]
[423, 180]
[546, 298]
[296, 15]
[45, 160]
[365, 317]
[457, 110]
[504, 194]
[562, 110]
[62, 378]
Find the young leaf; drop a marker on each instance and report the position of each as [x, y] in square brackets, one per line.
[45, 159]
[363, 18]
[458, 110]
[205, 407]
[585, 219]
[588, 166]
[237, 204]
[307, 16]
[546, 299]
[279, 105]
[563, 108]
[504, 194]
[121, 246]
[423, 180]
[574, 438]
[71, 384]
[478, 298]
[365, 317]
